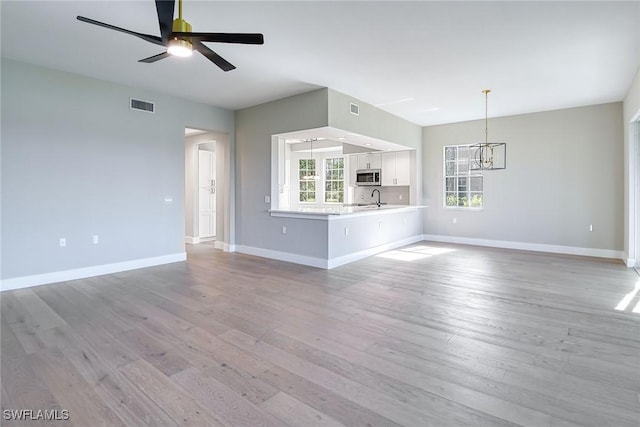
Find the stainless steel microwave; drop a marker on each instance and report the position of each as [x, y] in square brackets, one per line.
[368, 177]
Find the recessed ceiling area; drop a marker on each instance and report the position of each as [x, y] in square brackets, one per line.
[426, 62]
[328, 136]
[191, 131]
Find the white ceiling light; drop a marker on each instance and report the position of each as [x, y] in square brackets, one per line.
[311, 176]
[182, 48]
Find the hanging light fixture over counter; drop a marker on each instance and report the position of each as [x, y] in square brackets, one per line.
[488, 155]
[310, 176]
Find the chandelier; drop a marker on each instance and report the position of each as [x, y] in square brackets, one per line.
[488, 155]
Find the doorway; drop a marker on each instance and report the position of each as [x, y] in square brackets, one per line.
[206, 187]
[637, 190]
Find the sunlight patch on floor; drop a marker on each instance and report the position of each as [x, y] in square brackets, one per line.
[414, 253]
[622, 305]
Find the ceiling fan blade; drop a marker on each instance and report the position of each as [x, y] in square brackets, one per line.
[212, 56]
[155, 58]
[165, 10]
[243, 38]
[146, 37]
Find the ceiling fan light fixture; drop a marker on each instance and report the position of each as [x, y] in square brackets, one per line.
[178, 47]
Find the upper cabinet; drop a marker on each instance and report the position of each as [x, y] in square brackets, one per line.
[396, 168]
[369, 161]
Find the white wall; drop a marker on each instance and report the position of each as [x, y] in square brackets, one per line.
[76, 161]
[564, 172]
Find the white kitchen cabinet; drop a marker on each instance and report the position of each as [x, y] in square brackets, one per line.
[396, 168]
[369, 161]
[353, 167]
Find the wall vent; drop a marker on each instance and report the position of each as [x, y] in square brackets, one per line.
[140, 105]
[354, 109]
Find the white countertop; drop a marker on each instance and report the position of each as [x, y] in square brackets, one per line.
[329, 213]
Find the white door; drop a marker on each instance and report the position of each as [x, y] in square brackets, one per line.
[207, 193]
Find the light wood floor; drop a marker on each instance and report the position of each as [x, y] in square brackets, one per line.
[431, 335]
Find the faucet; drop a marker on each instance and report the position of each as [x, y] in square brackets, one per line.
[374, 190]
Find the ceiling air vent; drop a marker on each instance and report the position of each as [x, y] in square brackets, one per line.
[140, 105]
[354, 109]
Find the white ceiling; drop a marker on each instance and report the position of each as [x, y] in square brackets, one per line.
[425, 61]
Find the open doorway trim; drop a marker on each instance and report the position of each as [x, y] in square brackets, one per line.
[225, 184]
[633, 186]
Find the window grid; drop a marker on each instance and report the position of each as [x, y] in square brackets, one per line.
[307, 193]
[463, 187]
[334, 180]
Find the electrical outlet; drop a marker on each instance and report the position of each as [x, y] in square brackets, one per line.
[400, 196]
[284, 230]
[590, 227]
[63, 242]
[168, 200]
[267, 199]
[379, 225]
[455, 220]
[346, 231]
[95, 239]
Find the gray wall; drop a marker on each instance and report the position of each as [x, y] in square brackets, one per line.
[372, 121]
[76, 161]
[254, 127]
[564, 172]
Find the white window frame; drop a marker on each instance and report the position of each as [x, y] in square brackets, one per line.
[324, 179]
[470, 173]
[321, 159]
[315, 181]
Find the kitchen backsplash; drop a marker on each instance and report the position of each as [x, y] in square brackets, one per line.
[389, 195]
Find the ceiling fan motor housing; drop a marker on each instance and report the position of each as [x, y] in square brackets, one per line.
[180, 25]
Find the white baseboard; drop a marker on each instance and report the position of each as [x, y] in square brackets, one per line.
[537, 247]
[282, 256]
[196, 240]
[225, 246]
[356, 256]
[81, 273]
[630, 262]
[326, 264]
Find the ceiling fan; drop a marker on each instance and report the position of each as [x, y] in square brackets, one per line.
[177, 37]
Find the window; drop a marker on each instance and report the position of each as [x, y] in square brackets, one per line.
[462, 187]
[334, 180]
[307, 173]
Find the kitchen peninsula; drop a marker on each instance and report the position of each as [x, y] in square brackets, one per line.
[320, 142]
[347, 233]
